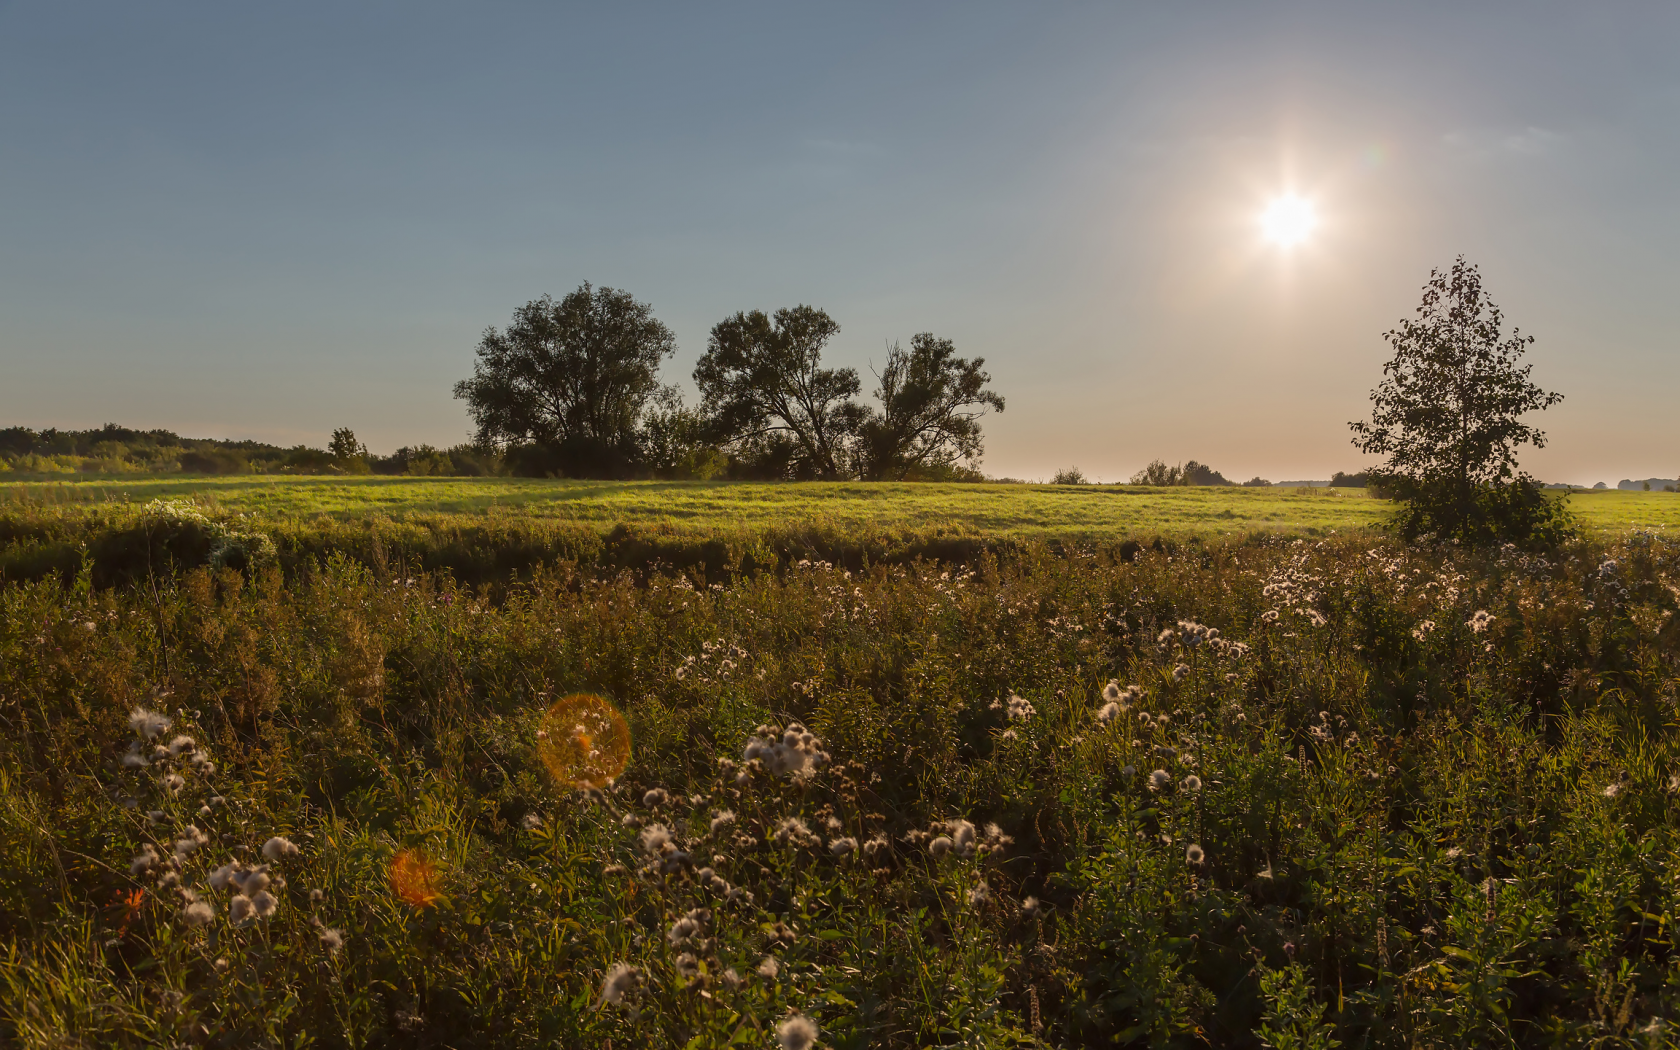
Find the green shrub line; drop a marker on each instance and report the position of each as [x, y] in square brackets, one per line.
[128, 544]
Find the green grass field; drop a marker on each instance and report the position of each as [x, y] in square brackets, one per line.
[1007, 511]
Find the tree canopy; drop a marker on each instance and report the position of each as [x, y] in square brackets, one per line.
[1449, 413]
[572, 377]
[931, 405]
[763, 379]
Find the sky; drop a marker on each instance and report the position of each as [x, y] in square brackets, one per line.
[267, 221]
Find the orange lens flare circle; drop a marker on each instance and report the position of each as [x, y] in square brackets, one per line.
[584, 741]
[414, 879]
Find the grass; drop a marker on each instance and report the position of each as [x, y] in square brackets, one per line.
[1100, 513]
[1347, 791]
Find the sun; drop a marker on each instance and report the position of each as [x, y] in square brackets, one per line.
[1288, 220]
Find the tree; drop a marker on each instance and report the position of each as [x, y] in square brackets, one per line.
[931, 405]
[763, 383]
[573, 377]
[1448, 415]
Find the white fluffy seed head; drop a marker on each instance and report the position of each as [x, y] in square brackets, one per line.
[797, 1033]
[278, 847]
[147, 724]
[621, 979]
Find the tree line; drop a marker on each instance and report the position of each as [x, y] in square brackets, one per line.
[571, 388]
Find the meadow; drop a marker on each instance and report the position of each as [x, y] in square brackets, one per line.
[273, 778]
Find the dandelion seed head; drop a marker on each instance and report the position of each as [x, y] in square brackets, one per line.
[1108, 712]
[621, 979]
[148, 724]
[174, 782]
[332, 940]
[1029, 907]
[197, 913]
[722, 820]
[278, 847]
[1192, 783]
[654, 838]
[769, 968]
[1193, 854]
[939, 846]
[1159, 779]
[841, 847]
[241, 912]
[797, 1033]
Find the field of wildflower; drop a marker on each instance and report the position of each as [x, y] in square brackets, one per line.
[1267, 790]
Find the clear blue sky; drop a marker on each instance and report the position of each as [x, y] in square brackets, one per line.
[270, 220]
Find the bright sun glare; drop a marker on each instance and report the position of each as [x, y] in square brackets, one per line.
[1288, 220]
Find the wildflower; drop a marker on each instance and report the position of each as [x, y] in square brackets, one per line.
[143, 860]
[278, 847]
[251, 881]
[731, 978]
[1111, 691]
[222, 876]
[1159, 779]
[196, 912]
[769, 968]
[794, 831]
[1009, 734]
[1194, 855]
[876, 846]
[1180, 672]
[241, 912]
[681, 930]
[147, 724]
[654, 838]
[1454, 853]
[1421, 631]
[939, 847]
[1479, 622]
[1108, 712]
[317, 895]
[1019, 709]
[962, 836]
[191, 839]
[841, 847]
[722, 820]
[174, 782]
[1612, 790]
[979, 895]
[687, 965]
[656, 797]
[134, 760]
[180, 744]
[621, 979]
[1128, 771]
[797, 1033]
[795, 754]
[1192, 783]
[332, 940]
[1029, 907]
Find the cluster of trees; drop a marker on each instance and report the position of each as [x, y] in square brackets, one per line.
[571, 387]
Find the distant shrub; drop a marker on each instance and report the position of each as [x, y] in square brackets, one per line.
[1257, 482]
[215, 461]
[1069, 476]
[1188, 473]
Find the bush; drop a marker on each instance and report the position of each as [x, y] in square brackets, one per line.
[1520, 512]
[215, 461]
[1069, 476]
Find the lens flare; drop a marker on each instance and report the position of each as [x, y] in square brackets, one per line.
[584, 741]
[414, 879]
